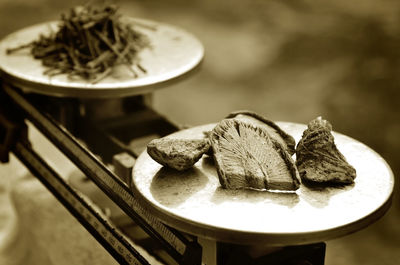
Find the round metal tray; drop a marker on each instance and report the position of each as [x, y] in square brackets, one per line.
[174, 53]
[193, 201]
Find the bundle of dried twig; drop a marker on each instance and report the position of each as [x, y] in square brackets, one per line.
[89, 42]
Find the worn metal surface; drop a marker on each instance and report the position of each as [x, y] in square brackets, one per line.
[173, 53]
[193, 201]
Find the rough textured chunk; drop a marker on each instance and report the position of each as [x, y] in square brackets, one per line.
[247, 157]
[318, 159]
[286, 140]
[179, 154]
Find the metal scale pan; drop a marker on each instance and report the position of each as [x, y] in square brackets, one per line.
[173, 53]
[194, 202]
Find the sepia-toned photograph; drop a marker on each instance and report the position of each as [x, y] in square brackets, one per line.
[199, 132]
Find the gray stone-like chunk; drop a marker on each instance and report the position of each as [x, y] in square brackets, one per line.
[318, 159]
[180, 154]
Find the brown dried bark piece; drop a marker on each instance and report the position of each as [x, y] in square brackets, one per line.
[286, 140]
[247, 157]
[180, 154]
[318, 159]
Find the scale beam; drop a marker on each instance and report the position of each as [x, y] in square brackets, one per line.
[181, 248]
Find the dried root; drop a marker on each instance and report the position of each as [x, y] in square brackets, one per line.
[318, 159]
[286, 140]
[180, 154]
[248, 157]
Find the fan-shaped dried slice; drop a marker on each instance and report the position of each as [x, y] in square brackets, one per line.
[180, 154]
[272, 128]
[318, 159]
[247, 157]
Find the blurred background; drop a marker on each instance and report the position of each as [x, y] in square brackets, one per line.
[289, 61]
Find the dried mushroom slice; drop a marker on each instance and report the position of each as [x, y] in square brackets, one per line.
[318, 159]
[272, 128]
[180, 154]
[247, 157]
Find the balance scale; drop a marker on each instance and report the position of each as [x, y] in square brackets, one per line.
[187, 213]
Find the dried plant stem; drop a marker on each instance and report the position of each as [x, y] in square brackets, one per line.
[89, 42]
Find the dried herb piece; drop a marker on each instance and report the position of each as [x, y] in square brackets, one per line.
[247, 157]
[180, 154]
[272, 128]
[318, 159]
[90, 41]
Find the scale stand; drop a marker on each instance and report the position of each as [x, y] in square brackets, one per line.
[184, 249]
[60, 109]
